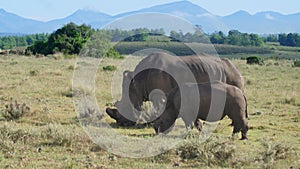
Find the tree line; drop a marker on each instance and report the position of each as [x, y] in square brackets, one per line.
[290, 39]
[10, 42]
[71, 38]
[235, 37]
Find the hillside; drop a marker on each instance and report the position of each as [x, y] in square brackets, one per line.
[261, 23]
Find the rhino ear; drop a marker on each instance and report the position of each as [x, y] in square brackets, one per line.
[128, 74]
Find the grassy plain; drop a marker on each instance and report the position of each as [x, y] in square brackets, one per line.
[50, 136]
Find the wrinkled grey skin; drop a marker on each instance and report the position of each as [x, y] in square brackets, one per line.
[233, 74]
[140, 83]
[235, 107]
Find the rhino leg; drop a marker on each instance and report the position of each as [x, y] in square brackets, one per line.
[245, 130]
[241, 126]
[198, 125]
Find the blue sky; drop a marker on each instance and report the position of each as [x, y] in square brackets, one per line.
[53, 9]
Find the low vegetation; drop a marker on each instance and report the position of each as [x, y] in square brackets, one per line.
[255, 60]
[14, 110]
[110, 67]
[50, 136]
[297, 63]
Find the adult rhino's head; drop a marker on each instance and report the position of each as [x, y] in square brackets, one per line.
[125, 112]
[132, 92]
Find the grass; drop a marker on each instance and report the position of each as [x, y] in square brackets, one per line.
[50, 136]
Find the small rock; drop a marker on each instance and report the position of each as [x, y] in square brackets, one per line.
[176, 164]
[39, 149]
[112, 158]
[271, 124]
[258, 113]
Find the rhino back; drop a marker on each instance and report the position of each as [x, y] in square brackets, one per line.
[233, 74]
[205, 68]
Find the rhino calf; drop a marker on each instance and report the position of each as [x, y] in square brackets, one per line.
[218, 98]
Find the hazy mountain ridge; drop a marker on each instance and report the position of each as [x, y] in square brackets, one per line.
[262, 22]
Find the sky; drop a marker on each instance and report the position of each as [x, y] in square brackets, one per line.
[46, 10]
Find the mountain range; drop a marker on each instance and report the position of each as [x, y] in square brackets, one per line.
[261, 23]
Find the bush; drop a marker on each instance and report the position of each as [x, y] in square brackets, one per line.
[71, 67]
[58, 135]
[274, 151]
[112, 53]
[297, 63]
[14, 110]
[69, 39]
[67, 93]
[109, 68]
[70, 56]
[255, 60]
[215, 151]
[33, 72]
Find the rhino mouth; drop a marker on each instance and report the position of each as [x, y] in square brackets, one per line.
[112, 113]
[120, 119]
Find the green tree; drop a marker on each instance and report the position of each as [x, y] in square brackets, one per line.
[255, 40]
[234, 37]
[271, 38]
[282, 38]
[218, 38]
[69, 40]
[98, 45]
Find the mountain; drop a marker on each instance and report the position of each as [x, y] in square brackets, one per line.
[262, 22]
[93, 18]
[188, 11]
[11, 23]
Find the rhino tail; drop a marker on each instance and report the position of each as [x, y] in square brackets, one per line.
[246, 106]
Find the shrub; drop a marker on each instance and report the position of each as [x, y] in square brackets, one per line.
[70, 56]
[71, 67]
[33, 72]
[69, 39]
[255, 60]
[297, 63]
[13, 136]
[58, 135]
[14, 110]
[112, 53]
[110, 68]
[68, 92]
[215, 151]
[291, 101]
[274, 151]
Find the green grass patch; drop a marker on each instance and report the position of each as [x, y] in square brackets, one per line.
[50, 136]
